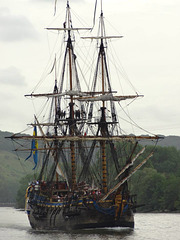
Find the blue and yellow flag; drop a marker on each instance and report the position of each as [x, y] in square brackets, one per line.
[34, 148]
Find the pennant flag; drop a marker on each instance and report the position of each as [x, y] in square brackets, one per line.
[34, 148]
[55, 7]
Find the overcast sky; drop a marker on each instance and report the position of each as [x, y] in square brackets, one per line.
[149, 52]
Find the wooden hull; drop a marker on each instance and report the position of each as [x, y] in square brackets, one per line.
[54, 218]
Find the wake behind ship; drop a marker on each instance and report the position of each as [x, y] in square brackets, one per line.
[86, 158]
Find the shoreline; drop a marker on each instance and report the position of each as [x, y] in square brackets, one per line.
[7, 204]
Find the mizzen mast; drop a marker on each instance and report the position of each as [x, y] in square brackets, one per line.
[71, 104]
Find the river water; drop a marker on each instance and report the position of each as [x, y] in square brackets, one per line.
[14, 225]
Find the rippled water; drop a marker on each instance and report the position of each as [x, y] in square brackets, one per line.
[14, 225]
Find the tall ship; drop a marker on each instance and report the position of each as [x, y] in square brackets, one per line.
[83, 158]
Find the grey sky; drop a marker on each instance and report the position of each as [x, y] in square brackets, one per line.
[11, 76]
[15, 27]
[149, 52]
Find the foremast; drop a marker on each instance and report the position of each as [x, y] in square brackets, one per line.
[103, 126]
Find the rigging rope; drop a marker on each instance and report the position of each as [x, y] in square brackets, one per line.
[19, 157]
[133, 122]
[94, 19]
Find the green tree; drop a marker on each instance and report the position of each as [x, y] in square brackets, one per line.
[172, 193]
[166, 160]
[149, 184]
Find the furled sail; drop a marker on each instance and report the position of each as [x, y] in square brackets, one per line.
[51, 95]
[108, 97]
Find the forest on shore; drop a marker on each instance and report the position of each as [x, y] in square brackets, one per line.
[157, 183]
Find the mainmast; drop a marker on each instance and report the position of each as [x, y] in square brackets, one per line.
[71, 104]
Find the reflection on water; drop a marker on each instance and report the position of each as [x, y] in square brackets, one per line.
[14, 225]
[107, 233]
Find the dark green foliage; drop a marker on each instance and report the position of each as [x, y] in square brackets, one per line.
[172, 193]
[149, 186]
[157, 184]
[166, 160]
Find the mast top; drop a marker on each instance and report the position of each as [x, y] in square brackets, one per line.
[101, 8]
[67, 26]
